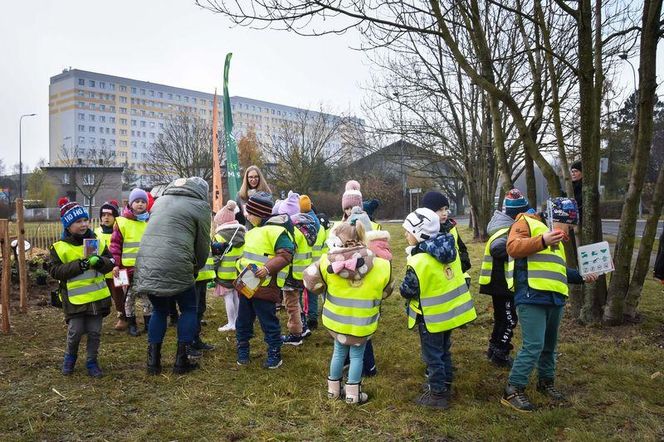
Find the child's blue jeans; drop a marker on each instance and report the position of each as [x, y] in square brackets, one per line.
[356, 361]
[436, 354]
[266, 311]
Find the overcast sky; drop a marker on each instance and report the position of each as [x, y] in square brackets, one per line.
[171, 42]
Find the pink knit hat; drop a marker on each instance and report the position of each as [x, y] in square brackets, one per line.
[352, 196]
[290, 206]
[227, 214]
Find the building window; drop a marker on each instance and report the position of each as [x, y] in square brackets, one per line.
[91, 140]
[88, 202]
[123, 143]
[91, 83]
[111, 86]
[142, 91]
[111, 119]
[133, 90]
[134, 144]
[81, 128]
[123, 132]
[102, 107]
[142, 123]
[81, 116]
[151, 93]
[133, 123]
[65, 178]
[91, 129]
[124, 99]
[151, 134]
[92, 117]
[123, 121]
[152, 124]
[93, 106]
[134, 155]
[102, 141]
[160, 94]
[81, 82]
[113, 131]
[81, 140]
[111, 109]
[102, 85]
[177, 97]
[123, 110]
[112, 142]
[102, 119]
[81, 104]
[186, 99]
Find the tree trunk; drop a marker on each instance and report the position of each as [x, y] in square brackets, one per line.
[643, 135]
[645, 250]
[531, 184]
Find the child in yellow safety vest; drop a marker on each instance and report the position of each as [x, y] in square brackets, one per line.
[268, 246]
[356, 281]
[85, 297]
[125, 243]
[107, 214]
[438, 300]
[228, 245]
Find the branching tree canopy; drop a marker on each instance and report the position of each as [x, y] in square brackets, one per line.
[301, 147]
[88, 168]
[249, 151]
[183, 149]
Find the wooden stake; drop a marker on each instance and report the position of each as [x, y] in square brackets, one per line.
[6, 273]
[23, 280]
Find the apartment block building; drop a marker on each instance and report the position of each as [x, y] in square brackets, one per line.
[90, 112]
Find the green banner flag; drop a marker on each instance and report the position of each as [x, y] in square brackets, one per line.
[232, 166]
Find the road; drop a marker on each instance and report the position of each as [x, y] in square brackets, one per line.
[610, 227]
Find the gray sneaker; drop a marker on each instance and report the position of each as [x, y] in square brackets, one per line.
[546, 387]
[515, 397]
[434, 400]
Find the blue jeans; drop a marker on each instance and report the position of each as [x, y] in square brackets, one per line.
[539, 333]
[356, 353]
[266, 312]
[201, 304]
[186, 301]
[436, 354]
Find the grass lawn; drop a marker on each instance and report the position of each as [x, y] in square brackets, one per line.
[610, 374]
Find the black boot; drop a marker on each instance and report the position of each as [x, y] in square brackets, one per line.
[146, 322]
[199, 344]
[182, 363]
[501, 358]
[154, 359]
[132, 329]
[546, 387]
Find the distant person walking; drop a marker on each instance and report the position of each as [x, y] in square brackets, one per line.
[576, 171]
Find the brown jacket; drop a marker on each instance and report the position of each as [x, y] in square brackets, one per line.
[519, 242]
[271, 292]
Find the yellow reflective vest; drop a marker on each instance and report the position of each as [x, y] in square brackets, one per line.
[259, 244]
[353, 308]
[547, 269]
[89, 286]
[455, 233]
[376, 226]
[445, 302]
[227, 264]
[104, 242]
[317, 249]
[207, 272]
[487, 262]
[303, 255]
[132, 232]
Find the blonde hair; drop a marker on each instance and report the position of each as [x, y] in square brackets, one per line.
[262, 184]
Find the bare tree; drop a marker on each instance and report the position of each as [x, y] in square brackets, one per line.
[88, 169]
[183, 149]
[301, 147]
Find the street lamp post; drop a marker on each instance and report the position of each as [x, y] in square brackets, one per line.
[20, 157]
[624, 57]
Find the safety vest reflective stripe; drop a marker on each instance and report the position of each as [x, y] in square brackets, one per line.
[445, 297]
[259, 249]
[207, 272]
[87, 287]
[487, 262]
[444, 302]
[302, 256]
[354, 303]
[317, 248]
[352, 320]
[227, 269]
[547, 269]
[132, 232]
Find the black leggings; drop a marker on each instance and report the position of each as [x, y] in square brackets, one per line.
[504, 322]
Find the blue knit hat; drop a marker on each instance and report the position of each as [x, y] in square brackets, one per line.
[138, 194]
[515, 203]
[70, 211]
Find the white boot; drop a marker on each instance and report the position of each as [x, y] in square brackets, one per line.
[354, 394]
[334, 389]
